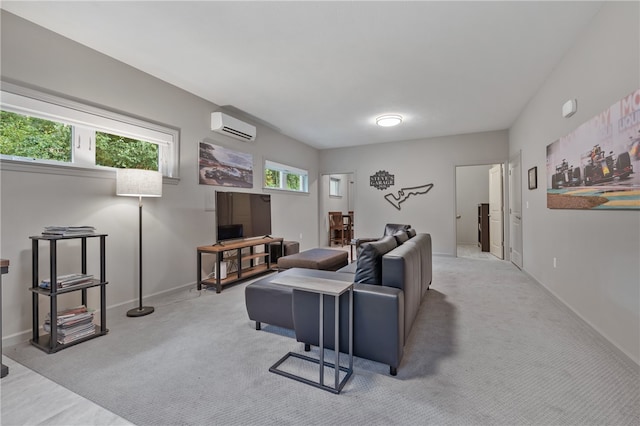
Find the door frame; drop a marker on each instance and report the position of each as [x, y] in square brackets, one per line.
[505, 202]
[323, 195]
[497, 250]
[516, 157]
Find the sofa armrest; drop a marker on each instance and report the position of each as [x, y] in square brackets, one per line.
[401, 268]
[378, 322]
[269, 303]
[359, 241]
[423, 241]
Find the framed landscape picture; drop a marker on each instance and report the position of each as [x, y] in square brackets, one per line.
[597, 166]
[224, 167]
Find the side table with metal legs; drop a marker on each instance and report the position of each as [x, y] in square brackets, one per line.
[322, 287]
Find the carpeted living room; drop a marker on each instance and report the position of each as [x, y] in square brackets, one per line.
[490, 346]
[467, 293]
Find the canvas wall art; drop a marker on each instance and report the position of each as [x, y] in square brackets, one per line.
[597, 166]
[224, 167]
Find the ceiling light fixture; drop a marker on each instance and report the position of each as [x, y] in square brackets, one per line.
[389, 120]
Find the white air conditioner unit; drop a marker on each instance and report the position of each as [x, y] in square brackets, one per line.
[227, 125]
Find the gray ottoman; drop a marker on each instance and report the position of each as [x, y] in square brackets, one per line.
[317, 258]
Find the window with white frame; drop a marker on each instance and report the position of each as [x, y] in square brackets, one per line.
[288, 178]
[334, 187]
[38, 127]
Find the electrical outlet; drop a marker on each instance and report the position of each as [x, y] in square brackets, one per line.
[301, 236]
[555, 262]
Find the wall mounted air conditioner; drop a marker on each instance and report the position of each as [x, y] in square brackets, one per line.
[227, 125]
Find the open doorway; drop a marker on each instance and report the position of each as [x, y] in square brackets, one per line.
[479, 207]
[337, 194]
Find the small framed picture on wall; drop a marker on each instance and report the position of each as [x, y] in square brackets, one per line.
[533, 178]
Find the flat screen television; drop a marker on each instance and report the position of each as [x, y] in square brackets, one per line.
[242, 215]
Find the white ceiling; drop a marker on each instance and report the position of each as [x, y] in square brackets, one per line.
[321, 72]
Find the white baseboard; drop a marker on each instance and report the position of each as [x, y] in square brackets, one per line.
[620, 351]
[112, 310]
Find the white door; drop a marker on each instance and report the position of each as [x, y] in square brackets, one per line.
[515, 211]
[495, 211]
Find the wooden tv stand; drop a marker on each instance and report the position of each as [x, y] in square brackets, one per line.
[242, 272]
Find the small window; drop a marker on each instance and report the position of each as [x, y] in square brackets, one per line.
[121, 152]
[41, 128]
[287, 178]
[334, 187]
[32, 137]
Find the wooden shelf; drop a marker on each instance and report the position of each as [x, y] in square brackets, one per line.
[240, 257]
[233, 245]
[255, 256]
[233, 276]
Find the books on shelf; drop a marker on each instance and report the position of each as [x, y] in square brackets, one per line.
[72, 324]
[69, 330]
[68, 280]
[68, 231]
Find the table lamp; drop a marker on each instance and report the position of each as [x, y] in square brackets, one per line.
[139, 183]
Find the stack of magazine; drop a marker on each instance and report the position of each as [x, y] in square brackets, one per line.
[68, 231]
[72, 324]
[68, 280]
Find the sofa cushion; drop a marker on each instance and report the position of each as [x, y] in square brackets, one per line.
[369, 269]
[411, 232]
[392, 228]
[349, 269]
[401, 237]
[316, 258]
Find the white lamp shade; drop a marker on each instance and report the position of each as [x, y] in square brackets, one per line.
[138, 183]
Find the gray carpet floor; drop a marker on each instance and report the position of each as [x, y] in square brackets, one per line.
[489, 346]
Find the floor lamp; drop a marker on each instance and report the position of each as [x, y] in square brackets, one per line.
[139, 183]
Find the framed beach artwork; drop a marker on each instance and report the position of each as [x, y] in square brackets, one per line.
[224, 167]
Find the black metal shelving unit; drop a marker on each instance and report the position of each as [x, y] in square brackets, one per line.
[4, 268]
[49, 342]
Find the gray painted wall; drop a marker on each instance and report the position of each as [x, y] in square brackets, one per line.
[174, 225]
[600, 285]
[597, 252]
[415, 163]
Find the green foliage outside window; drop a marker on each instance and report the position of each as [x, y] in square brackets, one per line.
[281, 178]
[32, 137]
[272, 178]
[118, 151]
[293, 182]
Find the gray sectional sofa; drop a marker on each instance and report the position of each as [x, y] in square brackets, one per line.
[392, 275]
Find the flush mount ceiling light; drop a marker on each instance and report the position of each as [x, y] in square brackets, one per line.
[389, 120]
